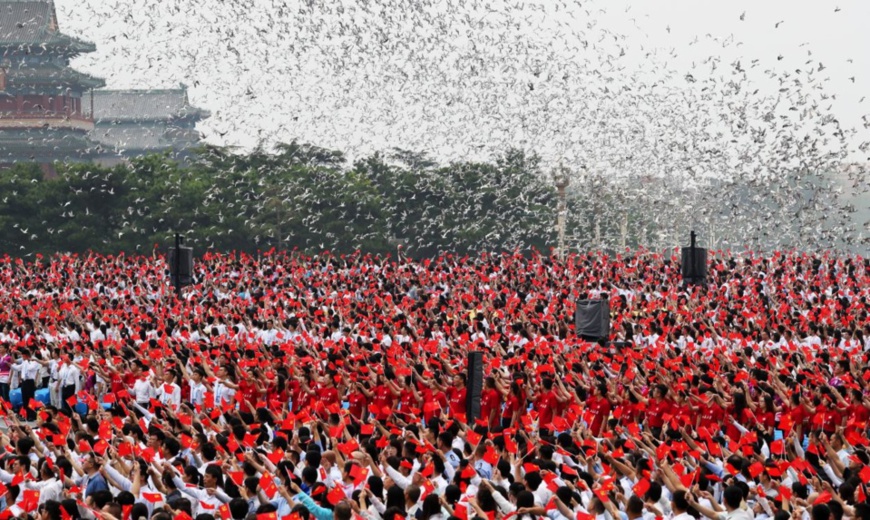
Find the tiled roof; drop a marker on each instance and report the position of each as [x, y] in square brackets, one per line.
[34, 22]
[143, 105]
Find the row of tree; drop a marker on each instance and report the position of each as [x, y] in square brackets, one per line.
[300, 197]
[312, 199]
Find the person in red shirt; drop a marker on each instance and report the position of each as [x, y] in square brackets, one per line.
[408, 397]
[382, 396]
[710, 412]
[490, 402]
[545, 404]
[250, 389]
[656, 408]
[740, 413]
[599, 404]
[357, 403]
[457, 395]
[765, 415]
[329, 392]
[514, 407]
[433, 396]
[277, 390]
[858, 412]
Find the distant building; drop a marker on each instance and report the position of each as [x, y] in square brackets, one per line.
[51, 112]
[45, 106]
[139, 122]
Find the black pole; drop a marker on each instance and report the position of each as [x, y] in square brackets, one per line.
[692, 258]
[178, 265]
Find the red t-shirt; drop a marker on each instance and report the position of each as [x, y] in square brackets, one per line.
[512, 404]
[858, 415]
[655, 412]
[711, 414]
[490, 401]
[766, 418]
[407, 400]
[382, 398]
[328, 395]
[249, 391]
[600, 408]
[745, 419]
[437, 401]
[546, 406]
[356, 404]
[799, 414]
[827, 418]
[631, 412]
[457, 398]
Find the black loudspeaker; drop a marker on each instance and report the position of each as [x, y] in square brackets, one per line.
[183, 268]
[694, 265]
[474, 386]
[592, 319]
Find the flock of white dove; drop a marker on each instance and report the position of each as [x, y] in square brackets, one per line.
[466, 79]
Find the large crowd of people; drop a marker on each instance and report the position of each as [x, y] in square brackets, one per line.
[285, 387]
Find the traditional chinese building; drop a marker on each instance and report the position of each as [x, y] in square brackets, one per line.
[51, 112]
[128, 123]
[45, 106]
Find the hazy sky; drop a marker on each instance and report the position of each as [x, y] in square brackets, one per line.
[248, 61]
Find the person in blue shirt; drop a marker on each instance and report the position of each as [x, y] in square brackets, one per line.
[93, 480]
[318, 511]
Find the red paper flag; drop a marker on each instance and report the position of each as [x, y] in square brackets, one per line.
[267, 483]
[823, 498]
[30, 500]
[335, 496]
[756, 469]
[777, 447]
[152, 497]
[641, 487]
[510, 445]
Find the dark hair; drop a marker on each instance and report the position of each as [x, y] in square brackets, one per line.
[733, 495]
[534, 479]
[681, 502]
[395, 498]
[821, 512]
[431, 506]
[239, 508]
[634, 506]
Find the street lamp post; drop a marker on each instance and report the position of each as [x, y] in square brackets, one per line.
[561, 179]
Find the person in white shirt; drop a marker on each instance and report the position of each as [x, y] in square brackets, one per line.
[142, 390]
[169, 393]
[733, 502]
[28, 370]
[224, 388]
[69, 382]
[49, 486]
[196, 381]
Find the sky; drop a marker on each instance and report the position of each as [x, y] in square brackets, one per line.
[441, 76]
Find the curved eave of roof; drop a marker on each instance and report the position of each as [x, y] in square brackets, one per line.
[194, 114]
[52, 76]
[59, 43]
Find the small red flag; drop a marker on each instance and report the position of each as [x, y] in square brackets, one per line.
[823, 498]
[335, 496]
[152, 497]
[641, 487]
